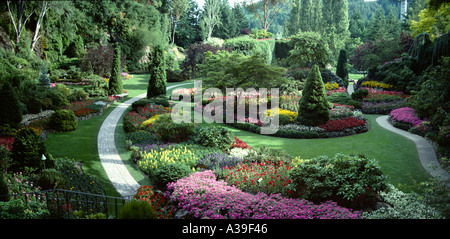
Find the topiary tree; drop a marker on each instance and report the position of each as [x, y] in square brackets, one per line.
[313, 106]
[341, 69]
[115, 81]
[44, 80]
[157, 82]
[10, 108]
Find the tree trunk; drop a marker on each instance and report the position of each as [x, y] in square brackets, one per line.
[44, 8]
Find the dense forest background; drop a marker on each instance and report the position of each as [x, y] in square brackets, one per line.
[75, 38]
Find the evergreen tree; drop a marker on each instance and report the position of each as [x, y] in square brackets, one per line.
[306, 15]
[115, 81]
[44, 80]
[356, 25]
[157, 82]
[341, 69]
[10, 108]
[227, 27]
[377, 26]
[240, 19]
[317, 21]
[313, 106]
[294, 18]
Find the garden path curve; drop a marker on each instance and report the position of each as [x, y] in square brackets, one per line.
[427, 154]
[110, 159]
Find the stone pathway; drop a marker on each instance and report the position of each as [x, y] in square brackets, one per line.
[427, 155]
[115, 169]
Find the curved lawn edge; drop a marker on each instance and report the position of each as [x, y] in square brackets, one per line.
[425, 149]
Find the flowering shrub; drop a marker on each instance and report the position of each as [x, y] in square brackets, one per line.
[282, 112]
[7, 142]
[83, 112]
[384, 96]
[267, 177]
[217, 161]
[377, 84]
[203, 196]
[342, 124]
[157, 201]
[331, 86]
[405, 115]
[150, 121]
[290, 102]
[239, 152]
[239, 144]
[338, 90]
[341, 111]
[190, 92]
[166, 130]
[381, 108]
[150, 161]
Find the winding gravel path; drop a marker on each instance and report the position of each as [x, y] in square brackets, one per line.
[427, 154]
[110, 159]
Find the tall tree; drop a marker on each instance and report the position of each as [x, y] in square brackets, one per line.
[265, 10]
[227, 27]
[188, 31]
[294, 18]
[240, 18]
[341, 68]
[210, 17]
[306, 15]
[356, 25]
[115, 81]
[157, 82]
[176, 9]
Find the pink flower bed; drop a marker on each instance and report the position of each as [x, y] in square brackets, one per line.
[406, 115]
[203, 196]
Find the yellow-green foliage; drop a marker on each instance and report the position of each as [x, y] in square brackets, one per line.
[154, 159]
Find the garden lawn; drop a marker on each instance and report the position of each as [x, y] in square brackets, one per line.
[397, 155]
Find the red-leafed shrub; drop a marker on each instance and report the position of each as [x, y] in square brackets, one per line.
[157, 201]
[239, 144]
[342, 124]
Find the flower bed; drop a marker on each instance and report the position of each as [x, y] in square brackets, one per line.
[157, 201]
[267, 177]
[382, 107]
[201, 195]
[406, 115]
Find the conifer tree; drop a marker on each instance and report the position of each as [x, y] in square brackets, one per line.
[313, 106]
[341, 69]
[157, 82]
[115, 81]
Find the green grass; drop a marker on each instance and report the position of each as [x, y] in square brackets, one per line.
[355, 76]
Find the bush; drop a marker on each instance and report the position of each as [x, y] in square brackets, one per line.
[216, 136]
[135, 209]
[351, 181]
[167, 131]
[360, 94]
[10, 108]
[168, 173]
[27, 151]
[59, 100]
[4, 190]
[63, 120]
[52, 179]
